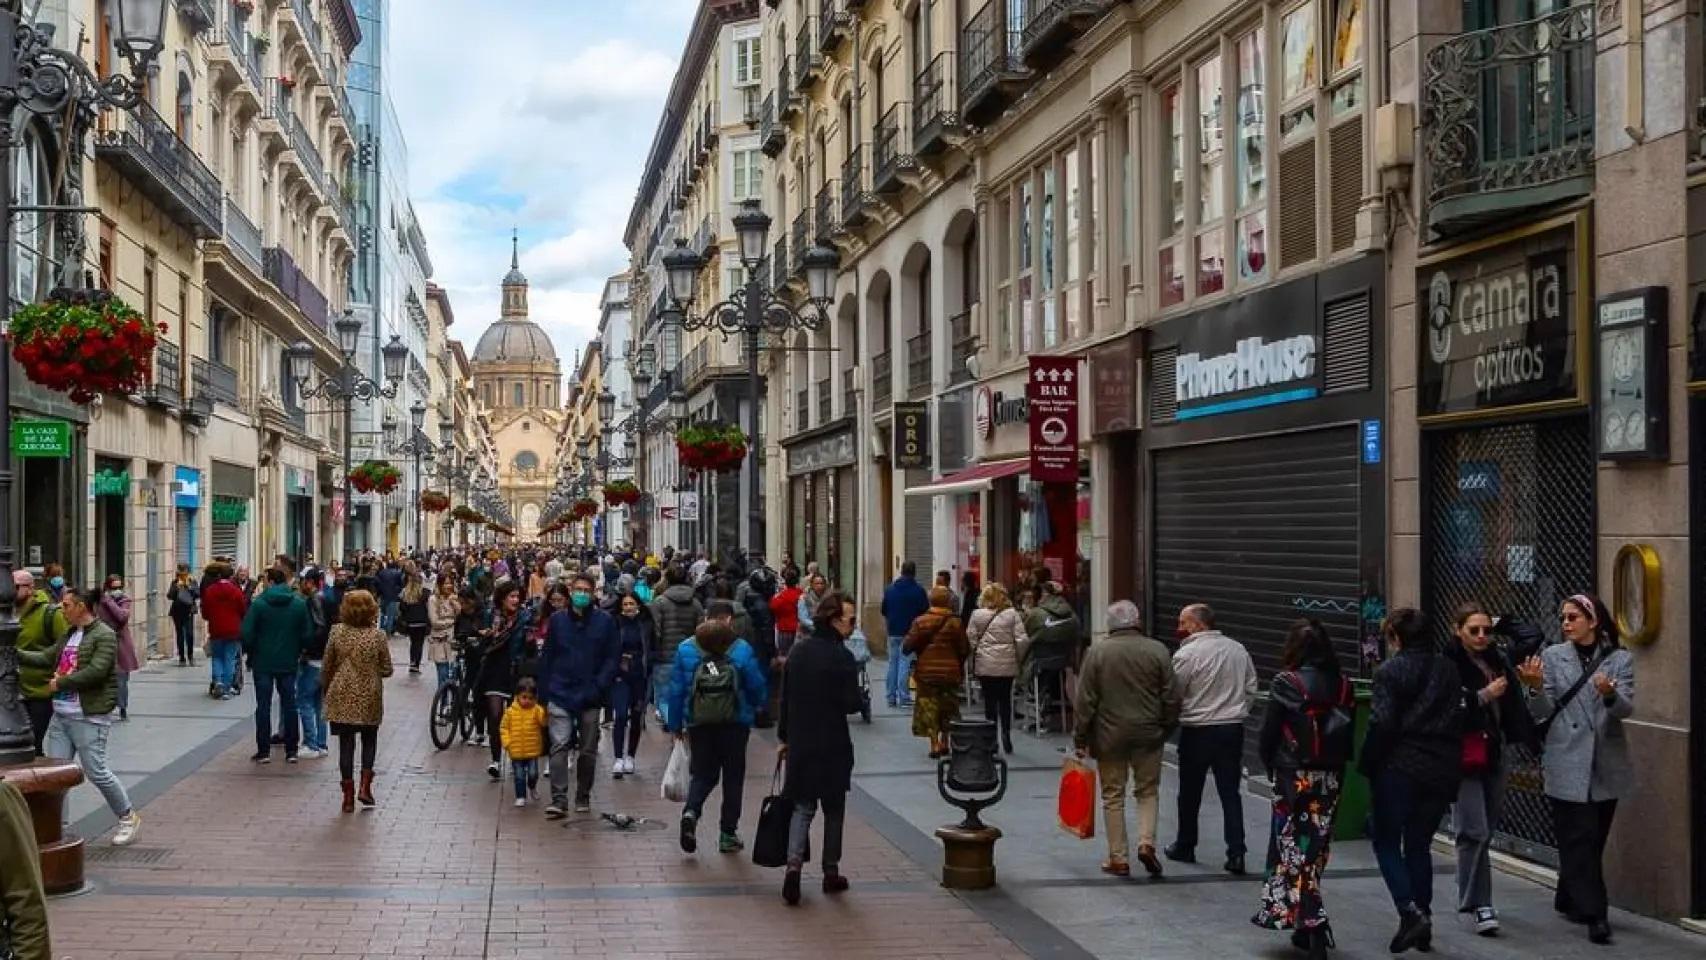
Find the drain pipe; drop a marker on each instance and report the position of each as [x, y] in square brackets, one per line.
[1634, 62]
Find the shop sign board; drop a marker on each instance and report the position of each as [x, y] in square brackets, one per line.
[230, 509]
[822, 453]
[41, 439]
[1113, 379]
[993, 408]
[1052, 394]
[186, 488]
[109, 483]
[912, 435]
[688, 507]
[1500, 329]
[1633, 413]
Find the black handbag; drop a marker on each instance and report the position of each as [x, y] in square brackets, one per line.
[775, 819]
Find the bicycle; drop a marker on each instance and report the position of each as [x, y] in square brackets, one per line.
[452, 714]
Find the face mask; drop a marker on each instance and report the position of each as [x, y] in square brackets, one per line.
[581, 599]
[631, 614]
[56, 582]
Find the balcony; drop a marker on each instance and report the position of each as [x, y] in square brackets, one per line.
[991, 72]
[936, 124]
[280, 270]
[343, 115]
[808, 62]
[708, 123]
[214, 380]
[242, 237]
[298, 17]
[823, 402]
[849, 393]
[802, 242]
[802, 410]
[233, 49]
[823, 212]
[918, 366]
[882, 379]
[892, 162]
[1508, 120]
[166, 387]
[834, 25]
[787, 98]
[772, 136]
[857, 201]
[308, 155]
[197, 13]
[145, 149]
[1051, 25]
[705, 238]
[779, 264]
[963, 335]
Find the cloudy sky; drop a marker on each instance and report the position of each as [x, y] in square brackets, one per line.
[537, 116]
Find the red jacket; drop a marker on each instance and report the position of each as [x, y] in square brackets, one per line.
[223, 606]
[786, 607]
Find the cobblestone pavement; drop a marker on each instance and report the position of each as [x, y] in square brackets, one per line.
[238, 862]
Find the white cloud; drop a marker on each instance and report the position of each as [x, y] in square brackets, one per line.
[608, 76]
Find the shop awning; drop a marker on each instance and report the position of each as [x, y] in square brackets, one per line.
[971, 479]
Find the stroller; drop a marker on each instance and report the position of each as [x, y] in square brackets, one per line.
[861, 651]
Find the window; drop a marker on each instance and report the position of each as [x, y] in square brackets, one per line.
[748, 171]
[1297, 70]
[1027, 329]
[32, 233]
[1172, 281]
[519, 394]
[1074, 258]
[749, 61]
[526, 461]
[1211, 176]
[1252, 181]
[1347, 35]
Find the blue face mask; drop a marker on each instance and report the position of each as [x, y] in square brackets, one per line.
[56, 582]
[581, 599]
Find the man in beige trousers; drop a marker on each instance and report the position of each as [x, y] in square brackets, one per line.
[1126, 709]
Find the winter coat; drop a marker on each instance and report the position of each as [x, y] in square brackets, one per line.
[1415, 725]
[636, 643]
[223, 604]
[36, 633]
[114, 611]
[275, 630]
[785, 607]
[1507, 720]
[678, 702]
[939, 642]
[1289, 696]
[23, 901]
[807, 609]
[1126, 699]
[415, 615]
[182, 598]
[1587, 749]
[358, 659]
[95, 677]
[676, 613]
[903, 602]
[820, 688]
[389, 584]
[315, 649]
[996, 636]
[522, 731]
[442, 612]
[1053, 634]
[579, 661]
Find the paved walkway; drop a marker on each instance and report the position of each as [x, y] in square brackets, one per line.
[242, 863]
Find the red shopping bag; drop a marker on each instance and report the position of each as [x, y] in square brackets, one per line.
[1077, 803]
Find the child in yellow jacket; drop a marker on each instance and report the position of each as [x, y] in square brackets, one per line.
[523, 737]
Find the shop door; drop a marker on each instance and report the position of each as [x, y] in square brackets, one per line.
[1264, 531]
[1510, 526]
[154, 575]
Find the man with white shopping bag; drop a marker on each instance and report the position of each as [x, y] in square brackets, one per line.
[1126, 709]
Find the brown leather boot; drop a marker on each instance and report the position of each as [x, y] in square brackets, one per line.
[366, 795]
[349, 796]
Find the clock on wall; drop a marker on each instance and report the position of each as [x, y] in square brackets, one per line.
[1632, 384]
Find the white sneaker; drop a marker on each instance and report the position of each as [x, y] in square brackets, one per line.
[616, 767]
[627, 764]
[521, 801]
[128, 825]
[313, 753]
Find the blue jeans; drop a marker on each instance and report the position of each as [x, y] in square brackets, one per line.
[285, 684]
[388, 615]
[526, 774]
[311, 706]
[1406, 814]
[628, 707]
[84, 740]
[660, 687]
[443, 672]
[900, 669]
[224, 664]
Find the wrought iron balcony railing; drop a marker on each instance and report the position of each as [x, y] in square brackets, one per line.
[1508, 119]
[935, 105]
[234, 38]
[891, 150]
[882, 378]
[857, 200]
[802, 410]
[802, 240]
[216, 380]
[991, 71]
[779, 263]
[918, 365]
[242, 237]
[772, 136]
[963, 337]
[835, 24]
[849, 393]
[823, 212]
[1050, 24]
[824, 413]
[787, 97]
[807, 60]
[166, 388]
[149, 153]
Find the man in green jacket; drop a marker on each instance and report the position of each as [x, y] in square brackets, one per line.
[23, 902]
[84, 685]
[275, 630]
[36, 631]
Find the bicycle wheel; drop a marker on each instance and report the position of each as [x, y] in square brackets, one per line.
[466, 725]
[447, 715]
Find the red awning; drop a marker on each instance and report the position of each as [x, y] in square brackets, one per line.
[971, 479]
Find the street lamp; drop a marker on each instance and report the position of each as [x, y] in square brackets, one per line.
[415, 447]
[751, 311]
[347, 386]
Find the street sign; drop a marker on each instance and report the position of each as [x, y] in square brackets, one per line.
[41, 438]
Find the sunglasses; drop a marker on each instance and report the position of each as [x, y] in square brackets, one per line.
[1479, 631]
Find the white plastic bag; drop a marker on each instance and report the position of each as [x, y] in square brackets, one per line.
[675, 774]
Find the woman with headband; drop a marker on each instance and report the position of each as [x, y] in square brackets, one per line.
[1581, 692]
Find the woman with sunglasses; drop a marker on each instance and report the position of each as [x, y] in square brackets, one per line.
[1583, 690]
[1495, 719]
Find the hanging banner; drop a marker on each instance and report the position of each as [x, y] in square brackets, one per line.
[1113, 375]
[1052, 394]
[912, 435]
[689, 510]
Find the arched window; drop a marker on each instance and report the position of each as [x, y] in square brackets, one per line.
[519, 393]
[32, 233]
[526, 462]
[183, 115]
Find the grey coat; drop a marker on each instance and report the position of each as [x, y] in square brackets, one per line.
[1587, 754]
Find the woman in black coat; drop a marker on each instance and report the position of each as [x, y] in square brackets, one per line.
[820, 688]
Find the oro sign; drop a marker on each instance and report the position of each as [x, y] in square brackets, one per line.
[1051, 392]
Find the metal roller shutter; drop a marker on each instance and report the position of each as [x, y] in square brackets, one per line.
[1264, 531]
[847, 526]
[797, 521]
[224, 540]
[821, 523]
[919, 531]
[184, 541]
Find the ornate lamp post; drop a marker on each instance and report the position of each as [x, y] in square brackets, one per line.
[417, 446]
[36, 77]
[751, 311]
[347, 386]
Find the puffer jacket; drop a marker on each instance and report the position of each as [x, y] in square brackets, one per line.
[939, 642]
[676, 612]
[996, 636]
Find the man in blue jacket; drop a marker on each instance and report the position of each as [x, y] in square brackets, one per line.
[390, 579]
[713, 710]
[576, 669]
[904, 601]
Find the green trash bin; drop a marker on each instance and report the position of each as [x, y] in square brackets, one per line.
[1351, 820]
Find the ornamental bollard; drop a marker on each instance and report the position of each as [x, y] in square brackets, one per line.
[971, 777]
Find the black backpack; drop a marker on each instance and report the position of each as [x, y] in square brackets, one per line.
[1321, 733]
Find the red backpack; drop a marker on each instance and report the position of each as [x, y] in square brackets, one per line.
[1321, 733]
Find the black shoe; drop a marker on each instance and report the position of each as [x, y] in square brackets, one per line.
[689, 842]
[1175, 853]
[790, 885]
[1599, 931]
[1319, 939]
[1414, 930]
[1007, 745]
[1235, 865]
[1300, 938]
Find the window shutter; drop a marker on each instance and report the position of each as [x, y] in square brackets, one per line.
[1297, 204]
[1164, 385]
[1344, 170]
[1347, 331]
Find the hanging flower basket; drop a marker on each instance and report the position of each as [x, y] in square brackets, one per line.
[467, 514]
[434, 502]
[584, 508]
[375, 476]
[85, 344]
[715, 448]
[245, 6]
[620, 493]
